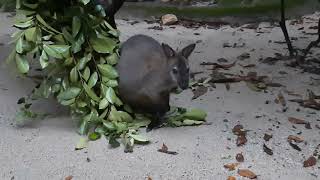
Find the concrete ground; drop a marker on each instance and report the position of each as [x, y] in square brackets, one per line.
[45, 149]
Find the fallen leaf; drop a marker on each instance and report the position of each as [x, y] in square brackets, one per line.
[281, 99]
[201, 90]
[247, 173]
[244, 56]
[317, 126]
[149, 178]
[68, 177]
[231, 178]
[294, 146]
[267, 150]
[231, 166]
[239, 157]
[238, 130]
[308, 126]
[241, 140]
[248, 65]
[267, 137]
[164, 149]
[311, 161]
[217, 65]
[297, 121]
[295, 139]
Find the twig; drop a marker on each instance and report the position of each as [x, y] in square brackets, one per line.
[313, 43]
[283, 26]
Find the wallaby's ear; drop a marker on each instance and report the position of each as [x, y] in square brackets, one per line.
[185, 52]
[168, 50]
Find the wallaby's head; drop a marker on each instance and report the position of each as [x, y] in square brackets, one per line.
[178, 64]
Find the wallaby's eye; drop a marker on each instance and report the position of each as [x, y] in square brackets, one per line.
[175, 70]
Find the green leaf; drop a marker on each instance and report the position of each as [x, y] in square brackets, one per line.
[74, 75]
[121, 127]
[101, 10]
[112, 59]
[94, 136]
[111, 95]
[103, 44]
[196, 114]
[139, 137]
[85, 2]
[25, 12]
[44, 60]
[31, 6]
[67, 35]
[86, 74]
[83, 61]
[18, 4]
[108, 71]
[31, 34]
[57, 51]
[19, 46]
[24, 25]
[84, 127]
[76, 25]
[103, 103]
[128, 144]
[70, 93]
[83, 143]
[124, 116]
[68, 102]
[90, 92]
[22, 64]
[68, 61]
[42, 21]
[112, 83]
[93, 80]
[51, 52]
[188, 122]
[76, 46]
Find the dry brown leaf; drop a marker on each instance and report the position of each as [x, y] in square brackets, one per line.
[238, 130]
[164, 149]
[247, 173]
[311, 161]
[295, 139]
[247, 66]
[149, 178]
[241, 140]
[267, 137]
[201, 90]
[68, 177]
[267, 150]
[231, 178]
[239, 157]
[281, 99]
[297, 121]
[231, 166]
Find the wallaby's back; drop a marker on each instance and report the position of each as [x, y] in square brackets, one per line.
[143, 72]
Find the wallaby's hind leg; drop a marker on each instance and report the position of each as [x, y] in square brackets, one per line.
[159, 111]
[156, 122]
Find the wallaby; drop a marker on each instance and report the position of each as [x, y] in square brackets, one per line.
[148, 72]
[111, 7]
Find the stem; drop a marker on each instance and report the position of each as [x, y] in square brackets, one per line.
[313, 43]
[283, 26]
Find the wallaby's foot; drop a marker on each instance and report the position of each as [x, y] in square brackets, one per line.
[156, 123]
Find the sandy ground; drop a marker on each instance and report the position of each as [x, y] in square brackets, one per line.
[45, 149]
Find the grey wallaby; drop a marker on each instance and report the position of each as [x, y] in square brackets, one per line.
[148, 72]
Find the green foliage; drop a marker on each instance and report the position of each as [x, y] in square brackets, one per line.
[77, 50]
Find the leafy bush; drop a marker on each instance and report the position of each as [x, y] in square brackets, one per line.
[76, 50]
